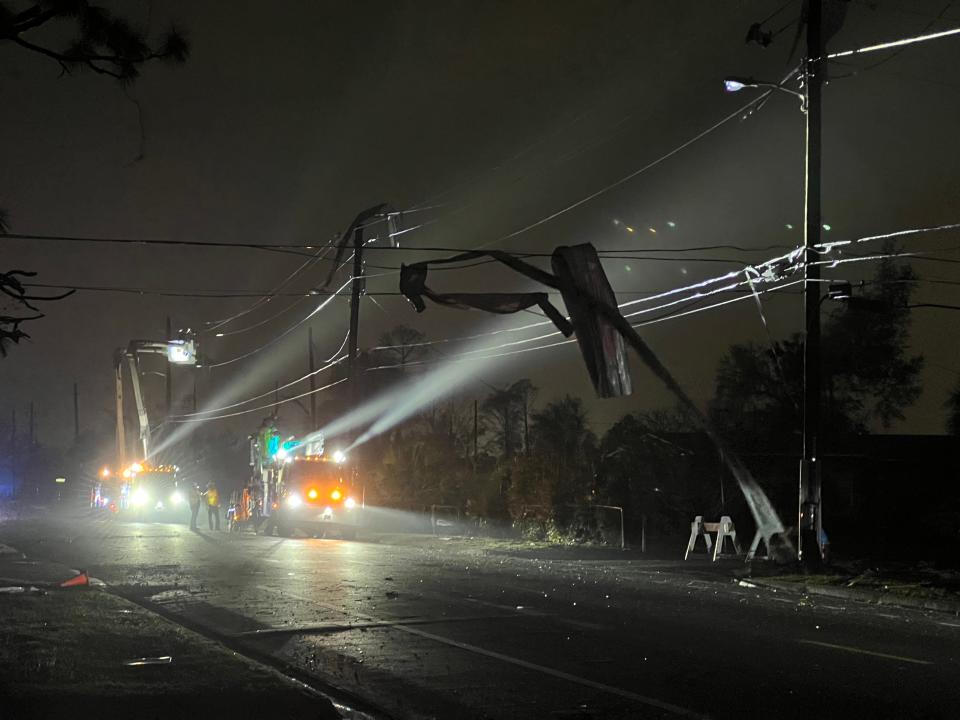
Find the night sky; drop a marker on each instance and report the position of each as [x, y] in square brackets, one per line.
[291, 117]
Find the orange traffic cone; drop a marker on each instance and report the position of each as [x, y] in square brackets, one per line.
[78, 581]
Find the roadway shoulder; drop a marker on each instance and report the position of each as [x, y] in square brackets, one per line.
[81, 651]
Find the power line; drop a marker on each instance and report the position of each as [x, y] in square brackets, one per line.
[214, 325]
[264, 321]
[286, 332]
[262, 407]
[462, 357]
[895, 43]
[326, 367]
[288, 249]
[680, 148]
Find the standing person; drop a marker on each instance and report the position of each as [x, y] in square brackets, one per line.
[213, 505]
[194, 498]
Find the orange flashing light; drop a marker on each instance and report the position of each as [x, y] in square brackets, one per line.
[336, 495]
[312, 494]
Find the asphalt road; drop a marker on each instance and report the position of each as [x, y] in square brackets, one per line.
[453, 629]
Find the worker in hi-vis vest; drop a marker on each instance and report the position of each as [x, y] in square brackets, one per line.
[213, 506]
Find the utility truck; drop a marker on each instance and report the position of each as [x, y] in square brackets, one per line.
[303, 486]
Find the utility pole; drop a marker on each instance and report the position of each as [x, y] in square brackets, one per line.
[355, 290]
[809, 521]
[76, 413]
[169, 397]
[121, 427]
[526, 424]
[13, 444]
[313, 381]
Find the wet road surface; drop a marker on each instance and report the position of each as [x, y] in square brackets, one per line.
[455, 630]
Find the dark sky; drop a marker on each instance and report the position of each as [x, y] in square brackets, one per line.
[291, 117]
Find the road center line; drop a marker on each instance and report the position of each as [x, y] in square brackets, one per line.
[861, 651]
[636, 697]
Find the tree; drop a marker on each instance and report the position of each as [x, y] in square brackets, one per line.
[402, 344]
[657, 464]
[17, 300]
[953, 411]
[102, 41]
[503, 417]
[425, 460]
[558, 469]
[868, 374]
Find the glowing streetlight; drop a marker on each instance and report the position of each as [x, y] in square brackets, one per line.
[736, 84]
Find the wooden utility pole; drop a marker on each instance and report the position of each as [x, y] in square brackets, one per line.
[169, 396]
[355, 291]
[313, 381]
[809, 521]
[76, 413]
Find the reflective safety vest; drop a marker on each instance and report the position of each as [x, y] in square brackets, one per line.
[213, 498]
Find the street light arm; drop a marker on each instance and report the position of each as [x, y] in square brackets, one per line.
[736, 84]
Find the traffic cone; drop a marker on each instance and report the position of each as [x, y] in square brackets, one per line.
[78, 581]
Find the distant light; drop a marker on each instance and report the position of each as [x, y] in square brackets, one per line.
[139, 497]
[219, 334]
[627, 268]
[350, 503]
[136, 468]
[294, 500]
[281, 454]
[629, 229]
[312, 494]
[616, 222]
[789, 226]
[826, 227]
[671, 223]
[733, 85]
[336, 495]
[339, 456]
[176, 498]
[181, 352]
[653, 230]
[105, 472]
[60, 480]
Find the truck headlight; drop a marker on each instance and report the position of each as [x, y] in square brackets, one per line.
[139, 497]
[294, 500]
[176, 498]
[350, 503]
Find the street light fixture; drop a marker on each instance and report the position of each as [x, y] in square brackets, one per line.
[736, 84]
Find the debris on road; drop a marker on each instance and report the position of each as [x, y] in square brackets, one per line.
[18, 589]
[137, 662]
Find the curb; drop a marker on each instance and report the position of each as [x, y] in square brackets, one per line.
[861, 596]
